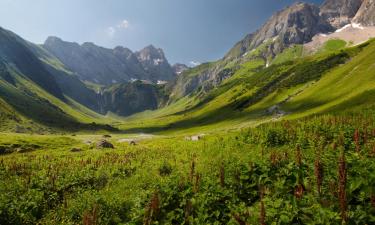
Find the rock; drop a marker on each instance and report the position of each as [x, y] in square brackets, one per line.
[23, 150]
[75, 150]
[104, 144]
[339, 12]
[366, 14]
[154, 62]
[108, 66]
[196, 138]
[179, 68]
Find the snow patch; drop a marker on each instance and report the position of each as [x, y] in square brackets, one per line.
[162, 82]
[351, 25]
[158, 61]
[343, 28]
[357, 26]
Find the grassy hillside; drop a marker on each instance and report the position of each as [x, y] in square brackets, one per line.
[35, 110]
[290, 87]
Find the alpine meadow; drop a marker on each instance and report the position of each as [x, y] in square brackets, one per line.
[279, 130]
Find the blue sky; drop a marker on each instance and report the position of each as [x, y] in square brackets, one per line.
[187, 30]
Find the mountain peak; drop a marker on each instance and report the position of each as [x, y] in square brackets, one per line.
[151, 52]
[53, 39]
[295, 24]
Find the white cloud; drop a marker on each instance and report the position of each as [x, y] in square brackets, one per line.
[111, 31]
[123, 25]
[194, 63]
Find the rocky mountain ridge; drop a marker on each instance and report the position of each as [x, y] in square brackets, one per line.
[108, 66]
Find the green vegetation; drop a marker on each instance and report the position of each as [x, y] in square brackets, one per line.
[312, 84]
[334, 45]
[289, 54]
[303, 171]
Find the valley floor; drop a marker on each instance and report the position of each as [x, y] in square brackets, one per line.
[305, 171]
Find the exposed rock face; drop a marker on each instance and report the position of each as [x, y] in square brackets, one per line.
[296, 24]
[129, 98]
[108, 66]
[155, 63]
[178, 68]
[366, 13]
[339, 12]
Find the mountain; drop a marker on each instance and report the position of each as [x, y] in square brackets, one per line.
[59, 83]
[366, 13]
[339, 12]
[291, 27]
[31, 98]
[108, 66]
[155, 63]
[128, 98]
[95, 64]
[296, 24]
[178, 68]
[14, 52]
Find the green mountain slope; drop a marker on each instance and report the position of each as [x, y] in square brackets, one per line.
[328, 81]
[30, 94]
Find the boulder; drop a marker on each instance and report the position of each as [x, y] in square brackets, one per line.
[75, 150]
[104, 144]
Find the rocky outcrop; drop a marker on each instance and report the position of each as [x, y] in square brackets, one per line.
[155, 63]
[104, 144]
[366, 13]
[179, 68]
[129, 98]
[339, 12]
[296, 24]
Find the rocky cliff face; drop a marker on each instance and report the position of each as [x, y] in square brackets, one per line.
[129, 98]
[179, 68]
[366, 13]
[155, 63]
[296, 24]
[339, 12]
[108, 66]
